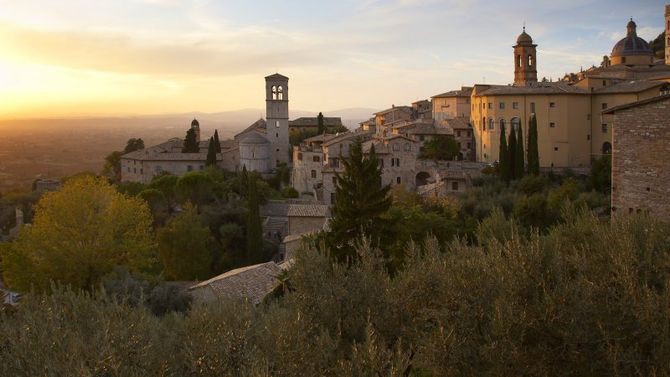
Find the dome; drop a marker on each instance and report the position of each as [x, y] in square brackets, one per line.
[195, 123]
[524, 38]
[254, 138]
[632, 45]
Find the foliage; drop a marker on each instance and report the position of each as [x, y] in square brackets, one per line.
[289, 193]
[196, 187]
[79, 234]
[211, 152]
[512, 153]
[601, 174]
[589, 298]
[533, 150]
[217, 142]
[112, 167]
[157, 202]
[185, 247]
[133, 145]
[361, 201]
[503, 166]
[166, 184]
[519, 158]
[190, 142]
[254, 229]
[321, 126]
[441, 148]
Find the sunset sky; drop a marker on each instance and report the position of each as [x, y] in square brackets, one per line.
[120, 57]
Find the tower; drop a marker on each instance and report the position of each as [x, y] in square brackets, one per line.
[195, 125]
[276, 114]
[667, 34]
[525, 60]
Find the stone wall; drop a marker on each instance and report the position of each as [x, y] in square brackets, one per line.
[640, 164]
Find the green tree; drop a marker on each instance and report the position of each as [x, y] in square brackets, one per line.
[211, 153]
[361, 201]
[112, 167]
[217, 142]
[157, 204]
[321, 125]
[79, 234]
[196, 187]
[519, 159]
[601, 173]
[503, 167]
[511, 153]
[441, 148]
[133, 145]
[254, 229]
[533, 150]
[190, 143]
[185, 247]
[167, 184]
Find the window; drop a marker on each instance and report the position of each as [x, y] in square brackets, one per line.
[396, 147]
[604, 105]
[552, 125]
[458, 133]
[313, 173]
[397, 180]
[532, 107]
[135, 170]
[141, 171]
[604, 128]
[469, 145]
[397, 162]
[518, 61]
[189, 168]
[316, 159]
[276, 124]
[280, 93]
[588, 116]
[530, 60]
[555, 148]
[299, 156]
[490, 105]
[128, 169]
[492, 125]
[552, 104]
[588, 137]
[501, 105]
[334, 180]
[515, 105]
[332, 197]
[623, 60]
[454, 186]
[393, 162]
[604, 82]
[421, 137]
[274, 92]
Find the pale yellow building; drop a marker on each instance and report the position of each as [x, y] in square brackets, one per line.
[571, 129]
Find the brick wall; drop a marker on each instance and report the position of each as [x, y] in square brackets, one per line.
[641, 159]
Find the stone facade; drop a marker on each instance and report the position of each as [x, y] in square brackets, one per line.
[640, 168]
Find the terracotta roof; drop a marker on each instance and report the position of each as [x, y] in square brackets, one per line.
[253, 138]
[629, 87]
[167, 151]
[395, 108]
[635, 104]
[465, 91]
[258, 126]
[319, 138]
[538, 88]
[458, 123]
[308, 210]
[314, 122]
[251, 283]
[347, 136]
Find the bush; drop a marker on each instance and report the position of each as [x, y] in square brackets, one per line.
[289, 192]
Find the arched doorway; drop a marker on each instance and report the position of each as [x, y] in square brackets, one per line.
[607, 148]
[422, 179]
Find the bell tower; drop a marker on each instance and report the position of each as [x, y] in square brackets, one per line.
[525, 60]
[667, 34]
[276, 114]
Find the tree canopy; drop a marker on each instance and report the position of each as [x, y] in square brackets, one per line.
[80, 233]
[441, 147]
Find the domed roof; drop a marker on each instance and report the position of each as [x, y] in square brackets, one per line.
[254, 138]
[195, 123]
[524, 38]
[632, 44]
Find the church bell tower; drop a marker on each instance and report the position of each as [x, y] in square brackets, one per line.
[525, 60]
[276, 114]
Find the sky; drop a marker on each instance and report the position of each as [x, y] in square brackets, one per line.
[132, 57]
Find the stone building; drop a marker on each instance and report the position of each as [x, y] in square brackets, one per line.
[640, 169]
[571, 129]
[260, 147]
[311, 125]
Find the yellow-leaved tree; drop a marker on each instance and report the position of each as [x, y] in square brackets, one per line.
[79, 234]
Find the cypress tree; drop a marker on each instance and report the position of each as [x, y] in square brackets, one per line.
[190, 144]
[503, 168]
[253, 224]
[511, 154]
[519, 159]
[211, 152]
[360, 205]
[217, 142]
[533, 151]
[322, 127]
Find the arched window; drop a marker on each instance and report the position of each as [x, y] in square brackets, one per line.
[518, 61]
[516, 123]
[530, 60]
[492, 124]
[607, 148]
[280, 93]
[502, 124]
[274, 92]
[483, 123]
